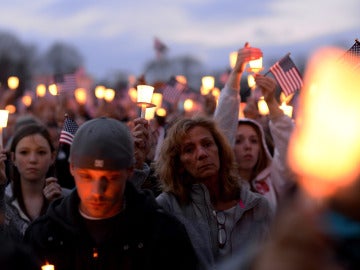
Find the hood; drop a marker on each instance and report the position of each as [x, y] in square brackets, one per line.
[260, 130]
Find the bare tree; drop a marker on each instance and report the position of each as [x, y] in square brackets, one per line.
[61, 58]
[16, 59]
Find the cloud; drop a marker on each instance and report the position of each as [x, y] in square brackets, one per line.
[200, 27]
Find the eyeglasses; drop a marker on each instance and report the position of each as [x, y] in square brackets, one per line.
[220, 219]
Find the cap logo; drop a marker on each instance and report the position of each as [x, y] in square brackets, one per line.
[99, 163]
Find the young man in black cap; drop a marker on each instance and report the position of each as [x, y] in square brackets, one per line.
[106, 223]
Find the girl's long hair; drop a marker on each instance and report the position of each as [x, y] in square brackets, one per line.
[25, 131]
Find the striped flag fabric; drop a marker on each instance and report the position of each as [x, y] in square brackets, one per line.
[172, 91]
[160, 48]
[69, 129]
[287, 75]
[66, 83]
[353, 54]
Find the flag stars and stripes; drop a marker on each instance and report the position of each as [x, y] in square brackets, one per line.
[68, 132]
[287, 75]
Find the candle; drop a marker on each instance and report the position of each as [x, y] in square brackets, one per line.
[233, 58]
[48, 266]
[144, 96]
[288, 110]
[4, 114]
[263, 107]
[256, 65]
[324, 149]
[208, 83]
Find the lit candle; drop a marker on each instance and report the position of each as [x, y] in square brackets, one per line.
[233, 58]
[251, 81]
[288, 110]
[48, 266]
[263, 107]
[80, 95]
[144, 96]
[4, 114]
[150, 113]
[13, 82]
[208, 83]
[41, 90]
[256, 65]
[100, 91]
[324, 150]
[109, 94]
[157, 99]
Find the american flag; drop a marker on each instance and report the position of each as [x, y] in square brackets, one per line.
[69, 129]
[160, 47]
[287, 75]
[353, 54]
[172, 90]
[66, 83]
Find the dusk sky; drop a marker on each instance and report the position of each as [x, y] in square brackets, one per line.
[114, 35]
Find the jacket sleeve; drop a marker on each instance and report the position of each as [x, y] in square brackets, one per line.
[227, 112]
[281, 129]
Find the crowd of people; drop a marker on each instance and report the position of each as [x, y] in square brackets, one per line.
[203, 191]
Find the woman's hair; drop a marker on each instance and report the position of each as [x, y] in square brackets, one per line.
[168, 167]
[264, 155]
[25, 131]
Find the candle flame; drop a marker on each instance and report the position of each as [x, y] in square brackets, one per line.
[324, 149]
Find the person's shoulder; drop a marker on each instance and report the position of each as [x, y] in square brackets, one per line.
[255, 201]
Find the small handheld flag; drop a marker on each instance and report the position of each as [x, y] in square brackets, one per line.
[69, 129]
[287, 75]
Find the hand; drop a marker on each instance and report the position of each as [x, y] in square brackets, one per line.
[140, 134]
[246, 54]
[52, 189]
[267, 86]
[3, 157]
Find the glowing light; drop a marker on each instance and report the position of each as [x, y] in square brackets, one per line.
[263, 107]
[324, 149]
[53, 89]
[144, 96]
[41, 90]
[133, 94]
[251, 81]
[188, 105]
[208, 83]
[157, 99]
[100, 91]
[13, 82]
[233, 58]
[161, 112]
[11, 108]
[256, 65]
[26, 100]
[287, 109]
[109, 94]
[80, 95]
[48, 266]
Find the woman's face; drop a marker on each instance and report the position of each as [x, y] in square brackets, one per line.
[247, 147]
[33, 157]
[199, 154]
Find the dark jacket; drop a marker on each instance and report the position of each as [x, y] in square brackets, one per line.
[142, 236]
